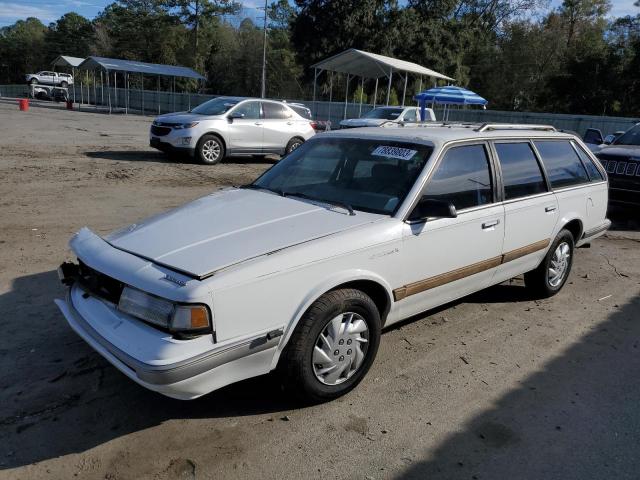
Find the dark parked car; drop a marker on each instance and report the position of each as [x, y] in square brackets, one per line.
[621, 159]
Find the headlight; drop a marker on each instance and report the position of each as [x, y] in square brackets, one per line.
[158, 311]
[185, 125]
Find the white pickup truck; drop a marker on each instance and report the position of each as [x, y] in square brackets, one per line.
[388, 117]
[49, 78]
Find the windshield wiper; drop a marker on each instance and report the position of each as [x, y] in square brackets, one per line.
[346, 206]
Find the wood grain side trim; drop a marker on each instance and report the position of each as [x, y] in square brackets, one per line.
[526, 250]
[460, 273]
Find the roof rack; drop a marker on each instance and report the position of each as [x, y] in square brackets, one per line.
[487, 127]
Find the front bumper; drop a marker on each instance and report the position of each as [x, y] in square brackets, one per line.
[166, 147]
[178, 375]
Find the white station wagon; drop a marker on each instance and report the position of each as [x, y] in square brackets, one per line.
[351, 232]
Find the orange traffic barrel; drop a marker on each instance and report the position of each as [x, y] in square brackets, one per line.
[23, 103]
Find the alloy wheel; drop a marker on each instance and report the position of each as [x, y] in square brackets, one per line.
[559, 264]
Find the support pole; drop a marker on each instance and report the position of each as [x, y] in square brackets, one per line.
[158, 95]
[375, 94]
[420, 87]
[101, 88]
[346, 97]
[404, 92]
[315, 81]
[95, 91]
[109, 90]
[115, 88]
[389, 87]
[188, 96]
[263, 86]
[142, 91]
[330, 97]
[88, 90]
[73, 74]
[81, 94]
[126, 93]
[361, 94]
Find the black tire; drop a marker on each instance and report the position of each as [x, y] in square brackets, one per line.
[209, 142]
[296, 366]
[64, 84]
[538, 281]
[294, 143]
[33, 81]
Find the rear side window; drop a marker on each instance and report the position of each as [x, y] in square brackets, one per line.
[462, 178]
[561, 161]
[592, 170]
[521, 174]
[274, 111]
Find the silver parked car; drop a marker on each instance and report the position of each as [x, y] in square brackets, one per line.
[228, 126]
[49, 78]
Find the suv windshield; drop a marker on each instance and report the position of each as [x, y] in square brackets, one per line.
[217, 106]
[631, 137]
[369, 175]
[384, 113]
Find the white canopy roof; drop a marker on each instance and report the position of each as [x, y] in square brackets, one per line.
[371, 65]
[66, 61]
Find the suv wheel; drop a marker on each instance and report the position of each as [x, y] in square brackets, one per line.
[33, 81]
[210, 149]
[64, 84]
[293, 144]
[332, 347]
[551, 275]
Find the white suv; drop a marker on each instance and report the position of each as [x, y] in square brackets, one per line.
[355, 230]
[227, 126]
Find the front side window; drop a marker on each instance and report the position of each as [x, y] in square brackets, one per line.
[521, 174]
[462, 178]
[562, 163]
[250, 110]
[410, 116]
[369, 175]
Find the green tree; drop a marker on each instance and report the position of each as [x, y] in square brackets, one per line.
[22, 49]
[71, 34]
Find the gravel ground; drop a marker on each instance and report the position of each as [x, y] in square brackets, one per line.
[495, 386]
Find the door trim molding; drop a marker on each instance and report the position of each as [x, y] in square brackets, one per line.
[460, 273]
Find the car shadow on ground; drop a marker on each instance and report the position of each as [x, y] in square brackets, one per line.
[624, 218]
[575, 418]
[159, 157]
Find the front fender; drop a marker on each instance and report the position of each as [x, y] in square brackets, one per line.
[340, 278]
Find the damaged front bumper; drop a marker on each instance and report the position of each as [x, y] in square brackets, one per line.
[184, 377]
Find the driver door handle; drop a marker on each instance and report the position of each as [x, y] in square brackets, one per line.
[490, 224]
[550, 208]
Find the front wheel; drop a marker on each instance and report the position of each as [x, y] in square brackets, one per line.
[210, 150]
[33, 81]
[333, 346]
[551, 275]
[64, 84]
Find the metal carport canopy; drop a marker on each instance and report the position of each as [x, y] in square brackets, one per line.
[67, 61]
[131, 66]
[371, 65]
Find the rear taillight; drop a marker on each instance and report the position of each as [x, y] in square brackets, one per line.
[314, 125]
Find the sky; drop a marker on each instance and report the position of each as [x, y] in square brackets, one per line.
[50, 10]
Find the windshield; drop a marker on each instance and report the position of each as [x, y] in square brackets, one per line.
[217, 106]
[369, 175]
[384, 113]
[631, 137]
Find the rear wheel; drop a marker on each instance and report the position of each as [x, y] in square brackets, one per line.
[33, 81]
[293, 144]
[333, 346]
[64, 84]
[210, 149]
[551, 275]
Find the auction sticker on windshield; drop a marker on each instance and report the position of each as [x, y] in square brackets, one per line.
[394, 152]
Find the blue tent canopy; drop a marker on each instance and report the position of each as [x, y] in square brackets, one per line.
[448, 96]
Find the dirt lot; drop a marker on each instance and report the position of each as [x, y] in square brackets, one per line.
[497, 386]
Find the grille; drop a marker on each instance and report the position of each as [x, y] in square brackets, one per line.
[100, 284]
[159, 131]
[621, 167]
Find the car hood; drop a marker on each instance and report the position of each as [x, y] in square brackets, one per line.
[621, 151]
[229, 227]
[180, 117]
[364, 122]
